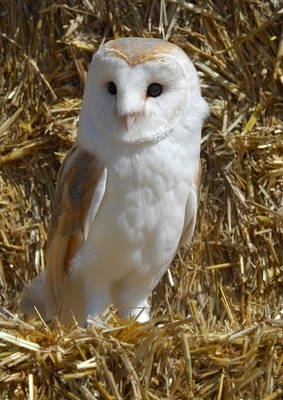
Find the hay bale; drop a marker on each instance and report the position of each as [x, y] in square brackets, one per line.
[216, 329]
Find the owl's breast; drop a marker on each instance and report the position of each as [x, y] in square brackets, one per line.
[141, 217]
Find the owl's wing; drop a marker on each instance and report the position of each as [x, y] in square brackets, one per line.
[191, 209]
[80, 189]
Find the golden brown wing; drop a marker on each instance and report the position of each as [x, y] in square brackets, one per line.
[191, 209]
[78, 178]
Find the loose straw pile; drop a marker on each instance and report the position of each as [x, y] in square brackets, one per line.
[216, 324]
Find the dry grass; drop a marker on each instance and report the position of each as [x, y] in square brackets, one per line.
[216, 331]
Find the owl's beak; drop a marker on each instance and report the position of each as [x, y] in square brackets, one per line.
[130, 120]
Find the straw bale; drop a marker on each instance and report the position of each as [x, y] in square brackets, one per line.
[216, 327]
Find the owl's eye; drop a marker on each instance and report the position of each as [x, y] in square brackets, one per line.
[112, 88]
[154, 90]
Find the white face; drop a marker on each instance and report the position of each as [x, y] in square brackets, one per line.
[138, 89]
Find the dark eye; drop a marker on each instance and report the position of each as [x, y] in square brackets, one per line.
[112, 88]
[154, 90]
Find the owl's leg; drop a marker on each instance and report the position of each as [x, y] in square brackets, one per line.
[92, 282]
[139, 311]
[97, 298]
[131, 296]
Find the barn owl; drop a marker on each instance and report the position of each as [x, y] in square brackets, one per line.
[126, 196]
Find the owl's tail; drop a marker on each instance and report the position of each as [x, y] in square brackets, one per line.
[34, 296]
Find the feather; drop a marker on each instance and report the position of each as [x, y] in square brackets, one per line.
[80, 189]
[77, 202]
[34, 296]
[191, 209]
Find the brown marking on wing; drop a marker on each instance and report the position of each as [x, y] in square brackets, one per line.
[74, 244]
[77, 180]
[198, 174]
[137, 50]
[191, 208]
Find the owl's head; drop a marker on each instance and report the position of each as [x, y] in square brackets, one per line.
[137, 90]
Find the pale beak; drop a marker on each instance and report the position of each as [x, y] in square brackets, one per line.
[130, 120]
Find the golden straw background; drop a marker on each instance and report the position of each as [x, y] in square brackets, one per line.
[216, 329]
